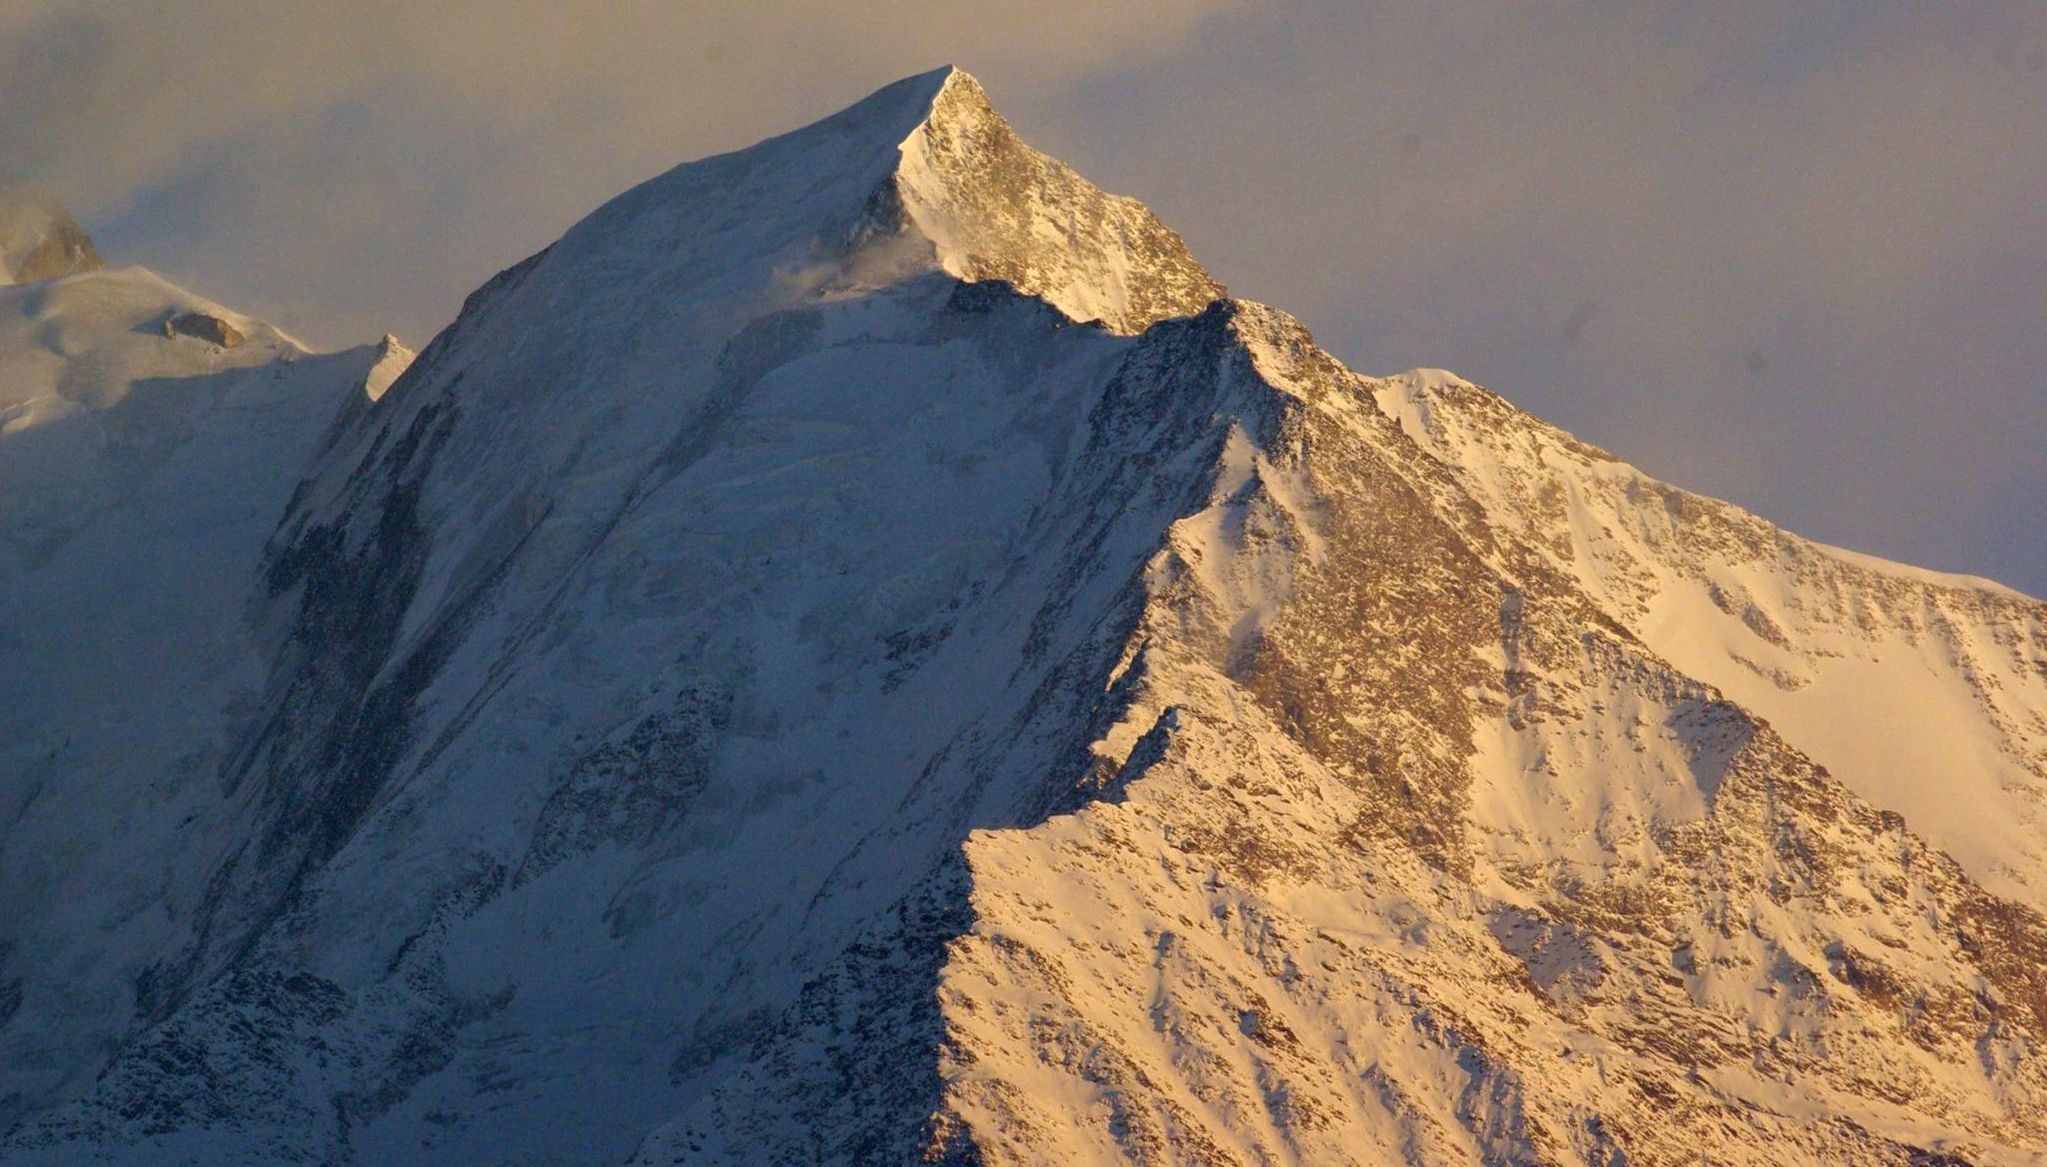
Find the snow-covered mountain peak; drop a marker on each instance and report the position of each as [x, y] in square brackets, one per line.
[994, 208]
[921, 177]
[39, 240]
[767, 686]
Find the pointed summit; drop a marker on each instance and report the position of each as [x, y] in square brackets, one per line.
[996, 209]
[39, 240]
[922, 175]
[387, 364]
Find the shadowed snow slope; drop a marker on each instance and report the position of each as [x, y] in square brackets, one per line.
[858, 654]
[140, 474]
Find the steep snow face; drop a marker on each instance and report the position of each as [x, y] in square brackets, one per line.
[751, 395]
[773, 683]
[1925, 693]
[39, 240]
[140, 474]
[704, 741]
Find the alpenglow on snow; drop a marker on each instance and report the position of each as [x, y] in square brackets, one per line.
[863, 653]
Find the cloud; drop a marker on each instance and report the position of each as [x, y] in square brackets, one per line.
[1605, 211]
[1791, 253]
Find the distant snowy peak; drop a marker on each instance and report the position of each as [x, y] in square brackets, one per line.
[39, 240]
[995, 209]
[91, 338]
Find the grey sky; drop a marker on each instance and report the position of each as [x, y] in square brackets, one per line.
[1789, 253]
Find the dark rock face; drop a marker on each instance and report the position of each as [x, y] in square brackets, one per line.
[202, 326]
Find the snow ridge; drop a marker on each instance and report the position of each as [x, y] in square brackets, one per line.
[1924, 691]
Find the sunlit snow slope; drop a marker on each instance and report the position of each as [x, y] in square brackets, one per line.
[1925, 693]
[861, 653]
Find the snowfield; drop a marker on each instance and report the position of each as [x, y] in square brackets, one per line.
[862, 652]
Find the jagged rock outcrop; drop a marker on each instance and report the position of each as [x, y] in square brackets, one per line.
[995, 209]
[39, 240]
[858, 653]
[203, 326]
